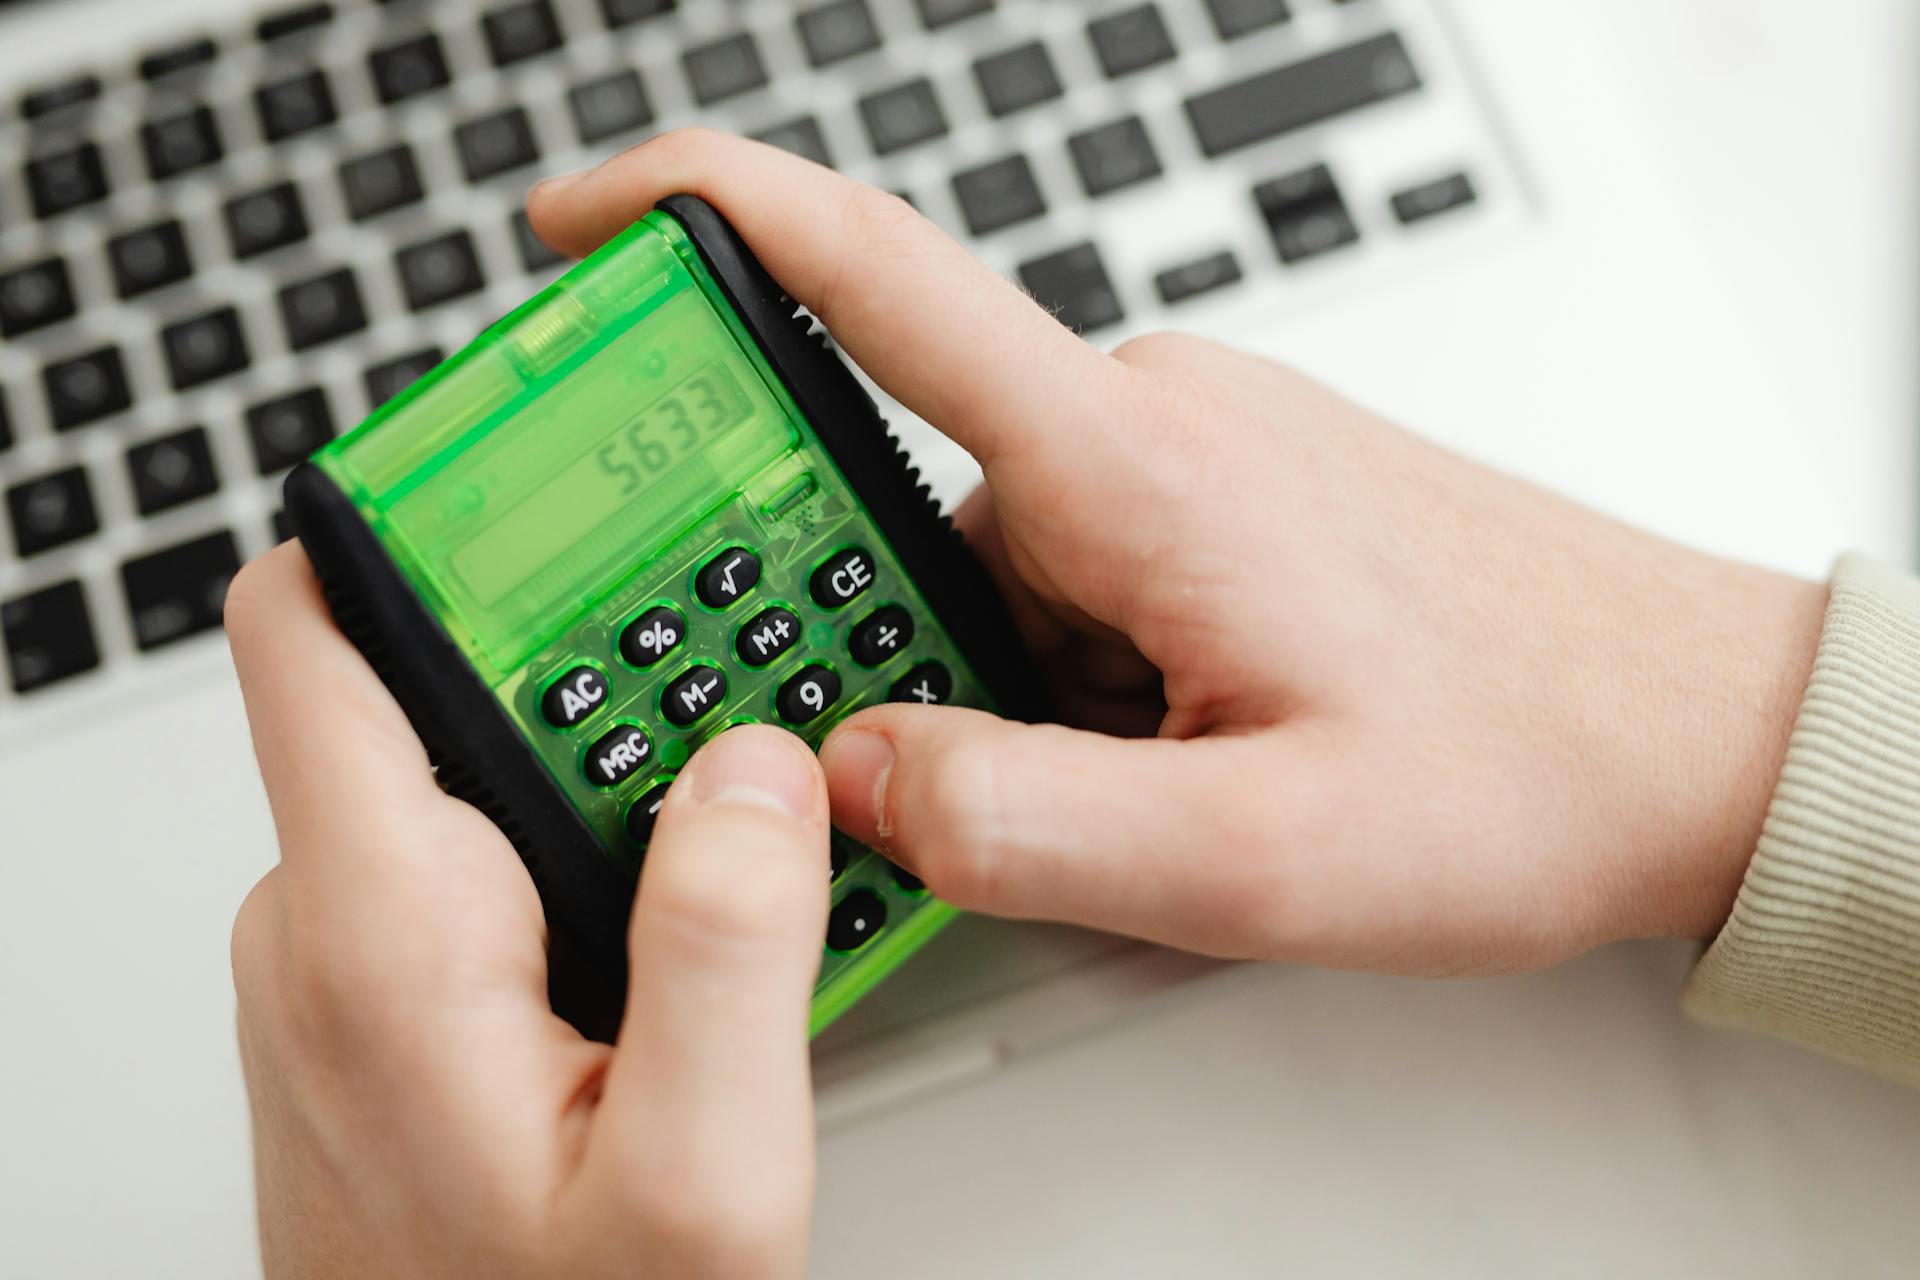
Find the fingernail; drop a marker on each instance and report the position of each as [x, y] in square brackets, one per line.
[758, 767]
[864, 759]
[558, 182]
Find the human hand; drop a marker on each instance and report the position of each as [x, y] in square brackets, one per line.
[417, 1108]
[1411, 714]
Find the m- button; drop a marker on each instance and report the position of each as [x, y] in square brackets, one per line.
[842, 578]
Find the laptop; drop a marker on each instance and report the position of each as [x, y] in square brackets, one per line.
[230, 229]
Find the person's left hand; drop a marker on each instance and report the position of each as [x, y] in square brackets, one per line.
[418, 1110]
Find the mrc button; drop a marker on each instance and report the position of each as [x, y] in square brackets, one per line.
[692, 694]
[573, 697]
[771, 633]
[617, 755]
[842, 578]
[726, 577]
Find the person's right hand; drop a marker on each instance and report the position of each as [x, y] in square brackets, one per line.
[1411, 714]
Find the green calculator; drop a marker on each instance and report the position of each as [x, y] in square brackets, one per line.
[649, 504]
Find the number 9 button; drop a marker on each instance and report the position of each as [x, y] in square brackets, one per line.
[807, 693]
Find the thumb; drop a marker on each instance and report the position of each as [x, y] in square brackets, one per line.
[709, 1088]
[1042, 821]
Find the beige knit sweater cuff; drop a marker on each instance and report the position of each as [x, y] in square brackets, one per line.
[1823, 946]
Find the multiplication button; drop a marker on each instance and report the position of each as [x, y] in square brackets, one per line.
[771, 633]
[842, 578]
[807, 692]
[692, 694]
[617, 755]
[880, 635]
[573, 697]
[726, 577]
[652, 636]
[929, 684]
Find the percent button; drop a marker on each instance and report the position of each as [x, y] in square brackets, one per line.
[652, 636]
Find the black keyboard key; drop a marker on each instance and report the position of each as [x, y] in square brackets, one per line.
[286, 429]
[842, 578]
[998, 194]
[48, 99]
[495, 143]
[610, 104]
[807, 693]
[387, 380]
[692, 694]
[204, 347]
[1300, 94]
[281, 528]
[6, 426]
[855, 919]
[48, 636]
[295, 105]
[617, 755]
[935, 14]
[51, 511]
[1073, 284]
[85, 388]
[171, 470]
[1018, 78]
[929, 684]
[267, 219]
[903, 116]
[622, 13]
[179, 591]
[1236, 18]
[1130, 40]
[726, 577]
[34, 296]
[438, 270]
[190, 140]
[1114, 155]
[724, 68]
[832, 32]
[534, 253]
[766, 636]
[1305, 214]
[1455, 191]
[1202, 275]
[322, 308]
[380, 181]
[520, 31]
[181, 57]
[288, 22]
[63, 180]
[149, 258]
[408, 68]
[881, 635]
[802, 137]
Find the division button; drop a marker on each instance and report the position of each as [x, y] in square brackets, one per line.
[771, 633]
[843, 577]
[573, 697]
[617, 755]
[646, 811]
[880, 635]
[692, 694]
[727, 577]
[806, 694]
[855, 920]
[929, 684]
[652, 636]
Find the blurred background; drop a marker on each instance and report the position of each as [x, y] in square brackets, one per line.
[1658, 256]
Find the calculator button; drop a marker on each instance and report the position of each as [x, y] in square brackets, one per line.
[727, 577]
[855, 920]
[771, 633]
[617, 755]
[880, 635]
[652, 636]
[573, 697]
[692, 694]
[929, 684]
[807, 693]
[646, 811]
[841, 856]
[908, 882]
[48, 636]
[843, 577]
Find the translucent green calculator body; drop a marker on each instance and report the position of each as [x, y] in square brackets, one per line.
[646, 505]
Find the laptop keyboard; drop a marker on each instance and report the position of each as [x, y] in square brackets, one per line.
[219, 253]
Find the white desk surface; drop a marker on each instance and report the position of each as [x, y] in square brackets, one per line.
[1276, 1121]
